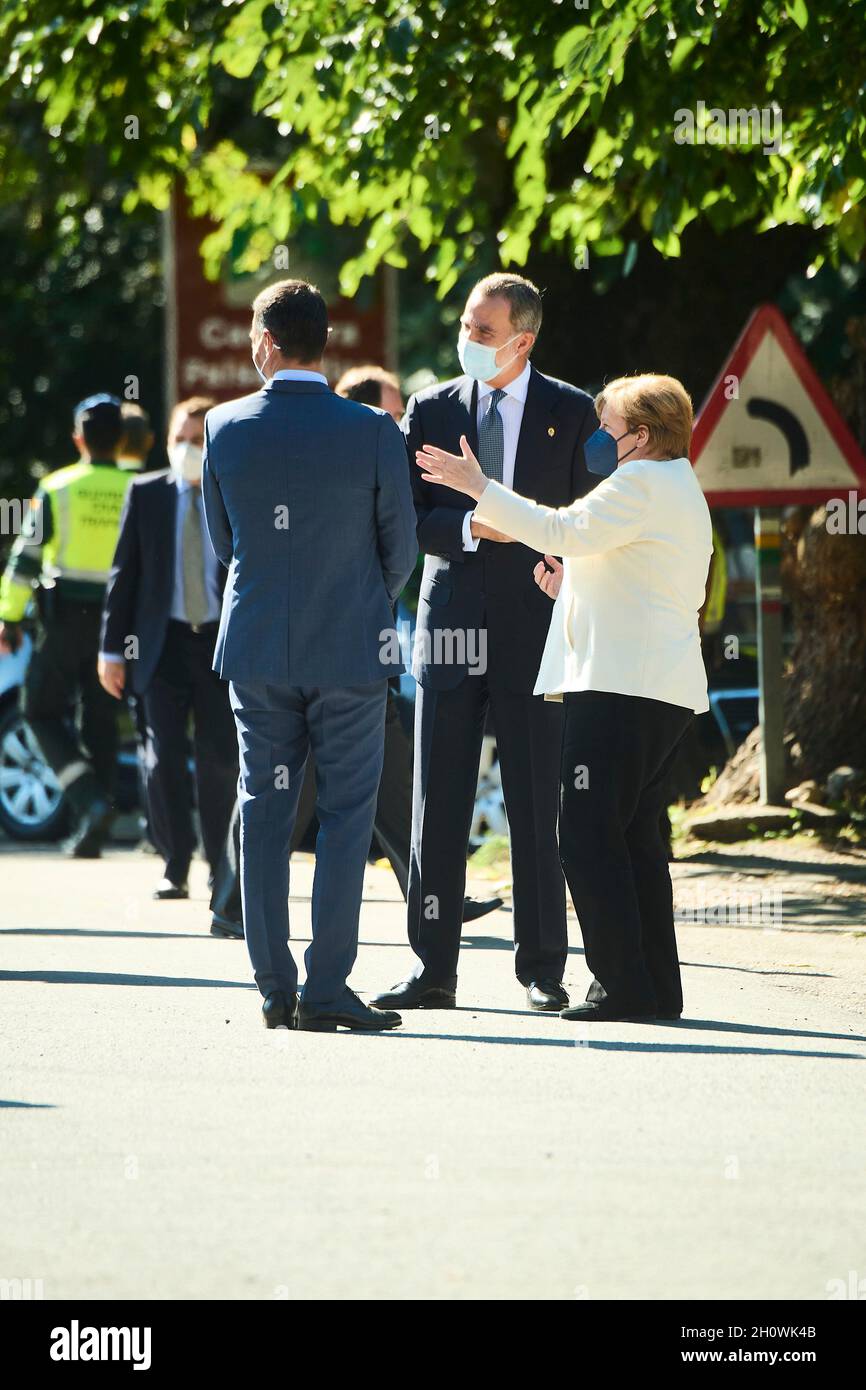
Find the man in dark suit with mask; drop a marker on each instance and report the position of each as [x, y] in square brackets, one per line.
[162, 609]
[482, 625]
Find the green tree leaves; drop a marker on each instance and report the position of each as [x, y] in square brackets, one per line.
[444, 125]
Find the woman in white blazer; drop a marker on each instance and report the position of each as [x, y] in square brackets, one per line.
[624, 654]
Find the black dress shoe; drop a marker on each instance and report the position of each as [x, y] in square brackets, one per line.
[546, 996]
[280, 1010]
[473, 908]
[606, 1012]
[91, 832]
[165, 890]
[221, 926]
[417, 994]
[349, 1012]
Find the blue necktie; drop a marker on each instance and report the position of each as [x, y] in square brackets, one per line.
[491, 439]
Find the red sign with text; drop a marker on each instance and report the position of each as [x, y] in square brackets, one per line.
[208, 322]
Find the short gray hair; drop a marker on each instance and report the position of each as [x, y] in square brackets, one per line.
[523, 297]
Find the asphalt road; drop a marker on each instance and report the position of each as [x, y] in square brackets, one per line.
[158, 1142]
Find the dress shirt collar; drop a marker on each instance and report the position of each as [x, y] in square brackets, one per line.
[296, 374]
[182, 484]
[516, 388]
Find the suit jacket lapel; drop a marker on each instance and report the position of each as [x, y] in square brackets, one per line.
[468, 397]
[535, 432]
[168, 540]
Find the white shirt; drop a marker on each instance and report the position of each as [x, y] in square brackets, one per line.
[296, 374]
[511, 415]
[636, 551]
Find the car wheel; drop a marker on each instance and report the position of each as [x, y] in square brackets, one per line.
[32, 806]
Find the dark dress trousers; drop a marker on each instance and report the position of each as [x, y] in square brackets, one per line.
[391, 824]
[491, 592]
[173, 676]
[613, 852]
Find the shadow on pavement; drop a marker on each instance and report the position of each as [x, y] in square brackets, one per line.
[620, 1046]
[88, 931]
[93, 977]
[743, 863]
[755, 970]
[713, 1026]
[26, 1105]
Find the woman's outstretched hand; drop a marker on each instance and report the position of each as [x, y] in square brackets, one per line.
[462, 472]
[550, 583]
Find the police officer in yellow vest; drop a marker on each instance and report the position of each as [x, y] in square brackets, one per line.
[62, 558]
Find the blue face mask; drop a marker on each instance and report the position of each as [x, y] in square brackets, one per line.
[601, 453]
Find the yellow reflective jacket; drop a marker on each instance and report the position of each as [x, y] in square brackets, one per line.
[68, 536]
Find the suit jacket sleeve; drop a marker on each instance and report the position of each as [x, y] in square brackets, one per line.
[395, 514]
[215, 514]
[118, 612]
[612, 515]
[439, 529]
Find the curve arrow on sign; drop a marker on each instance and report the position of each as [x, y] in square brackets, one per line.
[786, 421]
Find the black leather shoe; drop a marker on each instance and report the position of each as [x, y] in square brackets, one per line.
[91, 832]
[280, 1010]
[417, 994]
[221, 926]
[165, 890]
[546, 996]
[668, 1015]
[350, 1012]
[473, 908]
[606, 1012]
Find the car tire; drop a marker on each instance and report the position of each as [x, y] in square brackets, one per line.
[32, 805]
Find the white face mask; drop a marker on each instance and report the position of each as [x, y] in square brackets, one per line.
[479, 361]
[186, 460]
[261, 369]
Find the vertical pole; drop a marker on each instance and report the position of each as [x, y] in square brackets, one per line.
[169, 278]
[769, 605]
[390, 291]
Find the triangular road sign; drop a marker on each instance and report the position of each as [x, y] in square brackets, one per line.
[768, 433]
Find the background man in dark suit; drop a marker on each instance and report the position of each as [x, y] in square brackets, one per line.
[482, 625]
[309, 505]
[161, 615]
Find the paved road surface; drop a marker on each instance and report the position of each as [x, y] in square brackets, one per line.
[159, 1143]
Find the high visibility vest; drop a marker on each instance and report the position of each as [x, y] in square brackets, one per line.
[717, 596]
[68, 538]
[86, 503]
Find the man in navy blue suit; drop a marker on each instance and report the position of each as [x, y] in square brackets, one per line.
[309, 506]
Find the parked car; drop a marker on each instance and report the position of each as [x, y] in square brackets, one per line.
[32, 804]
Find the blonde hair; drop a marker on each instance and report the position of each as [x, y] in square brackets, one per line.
[660, 403]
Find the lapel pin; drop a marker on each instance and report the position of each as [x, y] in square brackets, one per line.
[551, 431]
